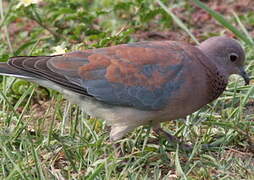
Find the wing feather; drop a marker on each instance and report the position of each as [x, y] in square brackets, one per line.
[143, 75]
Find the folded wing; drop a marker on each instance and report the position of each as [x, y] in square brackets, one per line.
[141, 75]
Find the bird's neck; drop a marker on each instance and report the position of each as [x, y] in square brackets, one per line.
[215, 59]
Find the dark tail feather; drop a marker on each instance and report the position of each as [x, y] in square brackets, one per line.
[8, 70]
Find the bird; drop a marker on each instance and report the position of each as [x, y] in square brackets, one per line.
[138, 83]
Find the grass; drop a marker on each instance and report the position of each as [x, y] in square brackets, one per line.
[42, 136]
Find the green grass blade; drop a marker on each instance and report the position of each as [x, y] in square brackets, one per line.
[178, 165]
[242, 27]
[177, 21]
[37, 161]
[223, 22]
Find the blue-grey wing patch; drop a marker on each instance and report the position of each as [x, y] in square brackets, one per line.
[141, 97]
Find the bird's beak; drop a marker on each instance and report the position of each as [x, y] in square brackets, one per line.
[244, 75]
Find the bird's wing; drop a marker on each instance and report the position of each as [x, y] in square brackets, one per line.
[142, 75]
[36, 67]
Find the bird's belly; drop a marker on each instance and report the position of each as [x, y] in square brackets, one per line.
[124, 119]
[178, 108]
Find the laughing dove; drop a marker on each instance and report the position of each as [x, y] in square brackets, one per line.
[138, 83]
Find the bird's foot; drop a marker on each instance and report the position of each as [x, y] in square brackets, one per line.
[172, 139]
[118, 149]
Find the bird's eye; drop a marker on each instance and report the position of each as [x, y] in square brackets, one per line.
[233, 57]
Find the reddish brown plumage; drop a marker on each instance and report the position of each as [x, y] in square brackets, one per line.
[124, 63]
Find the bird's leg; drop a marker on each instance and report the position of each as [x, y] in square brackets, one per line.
[117, 133]
[171, 139]
[116, 145]
[117, 149]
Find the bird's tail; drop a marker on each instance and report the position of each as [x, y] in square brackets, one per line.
[7, 70]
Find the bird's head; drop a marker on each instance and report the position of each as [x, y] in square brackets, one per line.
[227, 53]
